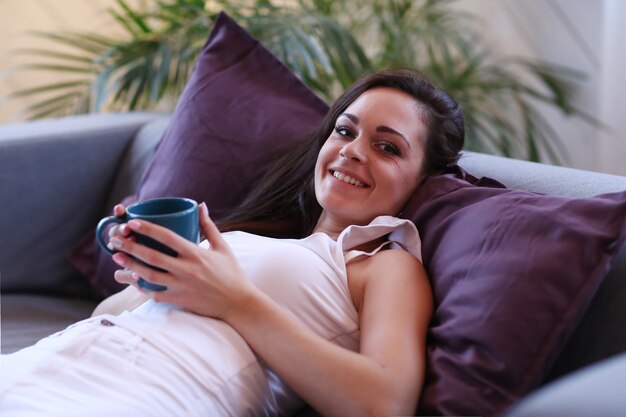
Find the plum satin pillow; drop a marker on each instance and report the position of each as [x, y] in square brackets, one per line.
[512, 274]
[240, 109]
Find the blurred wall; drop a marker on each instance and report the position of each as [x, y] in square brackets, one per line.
[18, 17]
[584, 35]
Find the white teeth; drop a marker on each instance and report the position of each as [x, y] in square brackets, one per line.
[348, 179]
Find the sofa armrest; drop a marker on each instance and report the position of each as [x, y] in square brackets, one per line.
[55, 177]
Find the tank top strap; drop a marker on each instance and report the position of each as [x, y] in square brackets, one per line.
[401, 233]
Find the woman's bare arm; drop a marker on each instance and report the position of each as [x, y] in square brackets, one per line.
[386, 377]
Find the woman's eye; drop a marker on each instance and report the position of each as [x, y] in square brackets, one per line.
[344, 131]
[388, 148]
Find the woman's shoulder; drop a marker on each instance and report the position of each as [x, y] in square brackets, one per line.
[393, 258]
[390, 264]
[387, 268]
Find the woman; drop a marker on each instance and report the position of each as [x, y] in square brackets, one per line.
[302, 297]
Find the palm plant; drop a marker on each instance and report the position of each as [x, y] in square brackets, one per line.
[328, 44]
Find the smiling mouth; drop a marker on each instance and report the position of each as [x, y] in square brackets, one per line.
[348, 179]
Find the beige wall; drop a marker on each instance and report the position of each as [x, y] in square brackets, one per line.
[17, 17]
[585, 35]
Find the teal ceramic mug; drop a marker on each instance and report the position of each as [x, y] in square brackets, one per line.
[175, 213]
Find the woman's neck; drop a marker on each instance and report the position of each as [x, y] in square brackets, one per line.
[334, 225]
[333, 229]
[330, 225]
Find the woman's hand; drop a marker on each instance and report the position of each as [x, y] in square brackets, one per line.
[119, 229]
[123, 276]
[208, 282]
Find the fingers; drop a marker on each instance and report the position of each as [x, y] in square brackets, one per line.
[125, 276]
[210, 230]
[142, 252]
[119, 210]
[136, 269]
[119, 230]
[162, 235]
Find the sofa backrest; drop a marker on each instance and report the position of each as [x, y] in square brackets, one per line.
[55, 176]
[541, 178]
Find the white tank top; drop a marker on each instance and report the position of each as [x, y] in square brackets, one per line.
[307, 277]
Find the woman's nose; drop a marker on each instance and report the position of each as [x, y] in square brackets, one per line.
[354, 150]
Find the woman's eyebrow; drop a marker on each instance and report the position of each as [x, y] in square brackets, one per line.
[387, 129]
[350, 116]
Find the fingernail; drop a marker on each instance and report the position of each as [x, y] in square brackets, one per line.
[205, 209]
[119, 259]
[134, 224]
[115, 243]
[135, 276]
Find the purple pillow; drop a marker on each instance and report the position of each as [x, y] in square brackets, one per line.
[512, 274]
[240, 109]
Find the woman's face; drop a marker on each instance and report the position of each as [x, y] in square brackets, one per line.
[371, 162]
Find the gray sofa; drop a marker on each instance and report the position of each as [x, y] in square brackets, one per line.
[58, 177]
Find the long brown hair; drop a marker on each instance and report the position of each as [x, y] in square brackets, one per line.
[283, 203]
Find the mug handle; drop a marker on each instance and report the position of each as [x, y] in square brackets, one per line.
[102, 226]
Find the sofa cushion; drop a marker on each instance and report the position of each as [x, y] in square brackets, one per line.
[512, 274]
[240, 109]
[28, 318]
